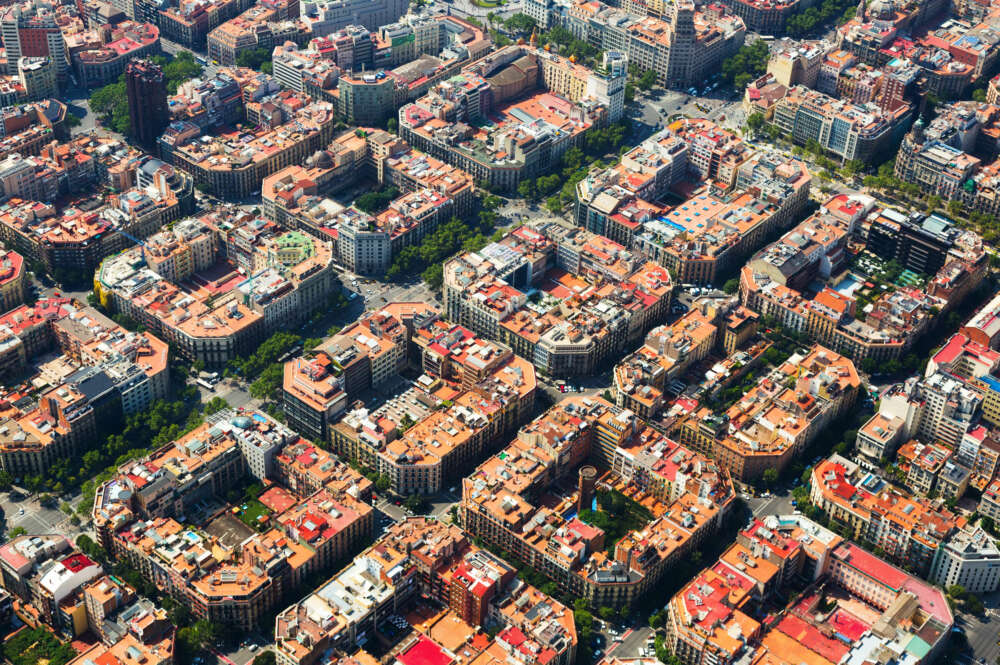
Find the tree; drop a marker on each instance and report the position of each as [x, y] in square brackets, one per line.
[253, 58]
[770, 477]
[266, 386]
[265, 658]
[988, 525]
[755, 121]
[375, 202]
[17, 531]
[392, 125]
[731, 286]
[629, 92]
[73, 120]
[87, 545]
[520, 22]
[215, 405]
[383, 483]
[414, 503]
[746, 65]
[6, 481]
[647, 80]
[554, 205]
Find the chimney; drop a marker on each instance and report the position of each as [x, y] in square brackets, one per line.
[587, 480]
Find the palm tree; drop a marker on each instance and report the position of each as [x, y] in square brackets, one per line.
[490, 17]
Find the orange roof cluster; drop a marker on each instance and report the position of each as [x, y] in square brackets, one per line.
[502, 491]
[842, 489]
[442, 564]
[595, 281]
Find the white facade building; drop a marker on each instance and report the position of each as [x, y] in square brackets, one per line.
[969, 558]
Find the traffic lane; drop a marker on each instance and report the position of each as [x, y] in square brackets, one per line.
[983, 634]
[632, 643]
[775, 505]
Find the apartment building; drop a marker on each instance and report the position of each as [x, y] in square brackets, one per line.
[433, 191]
[263, 26]
[12, 280]
[32, 29]
[188, 22]
[83, 228]
[423, 557]
[98, 60]
[711, 619]
[27, 128]
[585, 316]
[320, 386]
[751, 195]
[566, 100]
[773, 281]
[234, 164]
[45, 573]
[420, 441]
[498, 500]
[848, 130]
[105, 372]
[641, 378]
[272, 277]
[908, 529]
[970, 558]
[923, 244]
[682, 46]
[327, 16]
[202, 565]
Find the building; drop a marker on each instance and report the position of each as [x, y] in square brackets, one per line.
[38, 78]
[425, 558]
[472, 394]
[134, 519]
[600, 297]
[773, 423]
[147, 101]
[28, 128]
[263, 26]
[815, 253]
[687, 494]
[984, 326]
[711, 619]
[744, 198]
[432, 192]
[234, 163]
[45, 574]
[104, 373]
[908, 529]
[12, 280]
[566, 100]
[188, 22]
[919, 243]
[971, 559]
[682, 47]
[104, 61]
[215, 102]
[848, 130]
[31, 29]
[272, 277]
[327, 16]
[318, 388]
